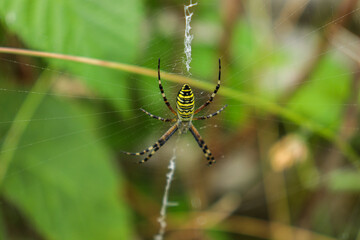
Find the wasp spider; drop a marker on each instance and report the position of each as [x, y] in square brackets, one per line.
[185, 105]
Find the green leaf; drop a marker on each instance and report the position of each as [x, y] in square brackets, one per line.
[3, 233]
[322, 98]
[61, 178]
[107, 29]
[240, 77]
[344, 180]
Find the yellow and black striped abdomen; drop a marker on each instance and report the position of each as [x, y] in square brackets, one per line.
[185, 103]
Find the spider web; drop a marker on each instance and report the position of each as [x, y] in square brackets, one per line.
[242, 136]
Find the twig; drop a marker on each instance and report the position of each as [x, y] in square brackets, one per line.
[246, 226]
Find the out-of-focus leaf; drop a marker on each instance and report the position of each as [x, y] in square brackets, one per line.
[107, 29]
[245, 53]
[218, 235]
[159, 47]
[3, 234]
[322, 97]
[61, 178]
[205, 66]
[344, 180]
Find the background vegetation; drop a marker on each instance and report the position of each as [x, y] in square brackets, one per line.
[287, 147]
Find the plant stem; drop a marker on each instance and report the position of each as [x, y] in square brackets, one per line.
[260, 103]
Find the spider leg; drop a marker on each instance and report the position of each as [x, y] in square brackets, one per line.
[163, 93]
[209, 157]
[158, 118]
[157, 145]
[161, 142]
[213, 94]
[210, 115]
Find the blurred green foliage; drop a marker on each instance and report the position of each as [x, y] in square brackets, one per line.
[63, 180]
[107, 30]
[344, 180]
[66, 193]
[321, 99]
[71, 193]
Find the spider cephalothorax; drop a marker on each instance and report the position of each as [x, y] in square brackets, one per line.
[184, 115]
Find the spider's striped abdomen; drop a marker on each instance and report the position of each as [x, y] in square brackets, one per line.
[185, 103]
